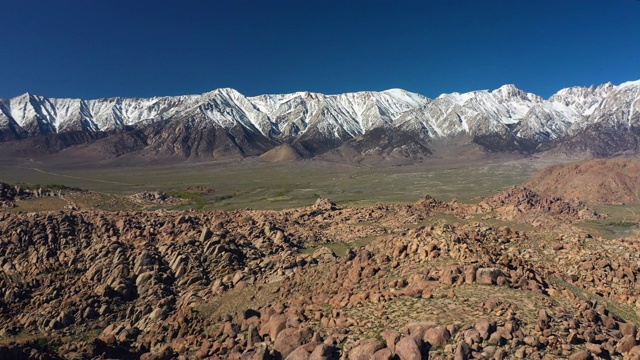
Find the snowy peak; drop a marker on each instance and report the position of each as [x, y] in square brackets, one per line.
[486, 111]
[35, 114]
[510, 92]
[458, 98]
[526, 115]
[340, 116]
[620, 107]
[407, 97]
[629, 84]
[584, 100]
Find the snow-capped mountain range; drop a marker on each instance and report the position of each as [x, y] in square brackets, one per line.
[315, 123]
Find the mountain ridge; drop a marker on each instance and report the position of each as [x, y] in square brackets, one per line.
[224, 121]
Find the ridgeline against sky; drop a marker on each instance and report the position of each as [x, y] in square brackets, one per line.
[93, 49]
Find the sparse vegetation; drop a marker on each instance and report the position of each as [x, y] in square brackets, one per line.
[622, 223]
[60, 187]
[198, 200]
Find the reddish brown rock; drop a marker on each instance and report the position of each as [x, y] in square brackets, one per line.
[488, 276]
[581, 355]
[463, 351]
[299, 353]
[485, 328]
[391, 337]
[593, 348]
[383, 354]
[365, 350]
[418, 329]
[290, 339]
[411, 348]
[627, 329]
[438, 336]
[626, 344]
[323, 352]
[274, 326]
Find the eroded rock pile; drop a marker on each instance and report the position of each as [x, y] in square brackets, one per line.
[321, 282]
[528, 206]
[155, 197]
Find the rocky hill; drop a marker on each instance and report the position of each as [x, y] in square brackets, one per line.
[596, 121]
[391, 281]
[600, 181]
[527, 206]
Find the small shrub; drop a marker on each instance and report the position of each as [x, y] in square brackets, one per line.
[622, 223]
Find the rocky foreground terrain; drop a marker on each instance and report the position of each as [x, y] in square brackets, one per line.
[514, 276]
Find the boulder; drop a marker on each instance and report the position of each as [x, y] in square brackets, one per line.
[274, 326]
[290, 339]
[438, 336]
[488, 276]
[383, 354]
[323, 352]
[411, 348]
[581, 355]
[299, 353]
[463, 351]
[626, 344]
[365, 350]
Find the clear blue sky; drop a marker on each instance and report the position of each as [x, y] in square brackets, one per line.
[141, 48]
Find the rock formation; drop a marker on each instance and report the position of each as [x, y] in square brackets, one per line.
[319, 282]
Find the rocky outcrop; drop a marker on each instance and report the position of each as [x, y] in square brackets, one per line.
[9, 194]
[528, 206]
[155, 197]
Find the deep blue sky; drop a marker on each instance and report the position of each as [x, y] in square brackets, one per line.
[141, 48]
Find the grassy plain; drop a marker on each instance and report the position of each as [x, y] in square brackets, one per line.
[253, 184]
